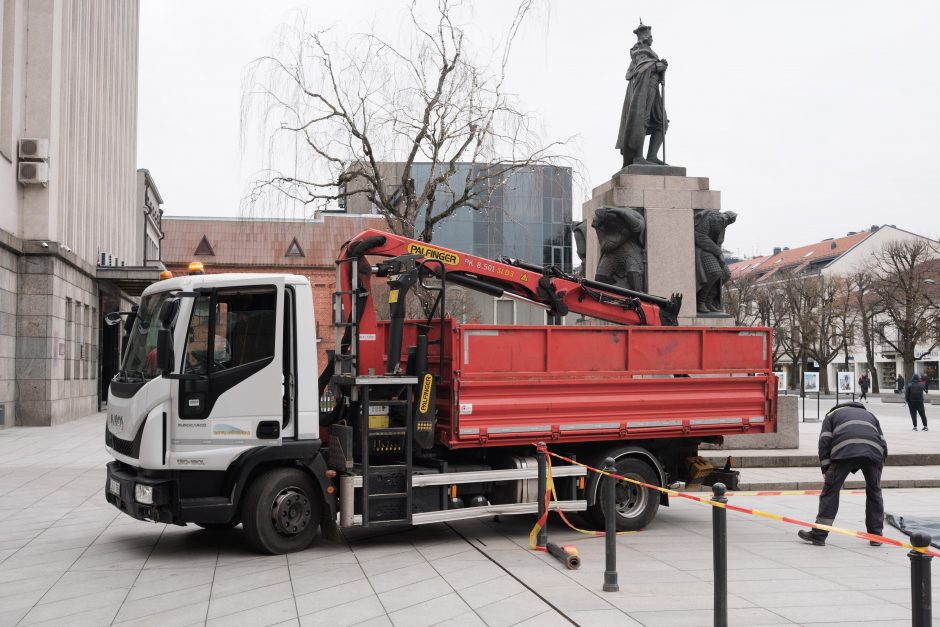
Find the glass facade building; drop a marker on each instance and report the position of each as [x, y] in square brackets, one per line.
[527, 217]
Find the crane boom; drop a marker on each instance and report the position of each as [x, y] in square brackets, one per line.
[548, 287]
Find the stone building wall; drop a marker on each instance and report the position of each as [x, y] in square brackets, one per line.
[56, 354]
[8, 326]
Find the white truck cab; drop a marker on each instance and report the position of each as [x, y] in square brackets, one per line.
[195, 417]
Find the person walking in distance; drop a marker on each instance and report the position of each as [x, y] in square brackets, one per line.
[900, 382]
[914, 397]
[851, 440]
[863, 383]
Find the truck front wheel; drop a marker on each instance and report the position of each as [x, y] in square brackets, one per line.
[636, 505]
[281, 511]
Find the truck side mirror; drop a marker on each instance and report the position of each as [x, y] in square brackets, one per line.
[165, 358]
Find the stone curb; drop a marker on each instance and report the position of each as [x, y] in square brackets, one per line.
[746, 486]
[849, 485]
[810, 461]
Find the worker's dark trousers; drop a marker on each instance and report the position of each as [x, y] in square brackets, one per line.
[829, 499]
[917, 407]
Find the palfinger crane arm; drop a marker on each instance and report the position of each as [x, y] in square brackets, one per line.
[550, 288]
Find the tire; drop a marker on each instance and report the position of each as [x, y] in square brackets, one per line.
[637, 506]
[281, 511]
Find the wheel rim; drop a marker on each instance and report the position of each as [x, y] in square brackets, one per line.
[290, 512]
[631, 499]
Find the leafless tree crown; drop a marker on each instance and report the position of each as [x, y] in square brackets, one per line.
[345, 110]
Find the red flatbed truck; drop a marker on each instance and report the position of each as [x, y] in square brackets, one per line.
[439, 431]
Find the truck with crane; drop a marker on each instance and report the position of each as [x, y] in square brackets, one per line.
[215, 417]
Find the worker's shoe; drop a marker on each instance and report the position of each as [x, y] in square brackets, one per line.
[809, 536]
[874, 543]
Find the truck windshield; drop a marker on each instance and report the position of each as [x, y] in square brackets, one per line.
[140, 360]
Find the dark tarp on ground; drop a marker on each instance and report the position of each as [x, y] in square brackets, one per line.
[912, 524]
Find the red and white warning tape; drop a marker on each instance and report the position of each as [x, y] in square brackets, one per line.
[736, 508]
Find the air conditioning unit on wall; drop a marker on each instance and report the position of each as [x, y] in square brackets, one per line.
[32, 173]
[33, 149]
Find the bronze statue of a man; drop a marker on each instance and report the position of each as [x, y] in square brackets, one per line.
[711, 271]
[620, 236]
[643, 111]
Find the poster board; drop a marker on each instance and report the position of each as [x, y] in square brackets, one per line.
[846, 381]
[781, 380]
[810, 382]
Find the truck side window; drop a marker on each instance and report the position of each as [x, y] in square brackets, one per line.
[244, 322]
[197, 337]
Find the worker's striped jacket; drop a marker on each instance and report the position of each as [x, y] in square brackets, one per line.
[851, 432]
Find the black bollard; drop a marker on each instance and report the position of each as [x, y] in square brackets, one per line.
[920, 581]
[610, 527]
[720, 555]
[542, 538]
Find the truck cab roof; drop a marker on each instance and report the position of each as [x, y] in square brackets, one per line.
[195, 281]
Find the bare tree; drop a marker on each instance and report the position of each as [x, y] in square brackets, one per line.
[460, 303]
[770, 311]
[902, 272]
[738, 295]
[797, 312]
[366, 110]
[867, 309]
[825, 301]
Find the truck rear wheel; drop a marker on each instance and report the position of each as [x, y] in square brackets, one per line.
[636, 505]
[281, 511]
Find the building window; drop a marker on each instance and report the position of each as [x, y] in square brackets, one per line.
[294, 250]
[68, 338]
[505, 312]
[204, 247]
[86, 341]
[76, 355]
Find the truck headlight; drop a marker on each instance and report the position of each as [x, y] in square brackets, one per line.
[143, 494]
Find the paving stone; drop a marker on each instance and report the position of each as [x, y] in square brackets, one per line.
[490, 591]
[601, 618]
[512, 610]
[267, 614]
[351, 613]
[155, 606]
[697, 618]
[331, 597]
[244, 600]
[430, 612]
[413, 594]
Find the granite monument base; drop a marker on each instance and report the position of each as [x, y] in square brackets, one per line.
[668, 203]
[661, 170]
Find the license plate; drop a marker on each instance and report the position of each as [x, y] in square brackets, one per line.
[114, 487]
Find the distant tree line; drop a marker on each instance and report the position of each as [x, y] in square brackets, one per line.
[893, 305]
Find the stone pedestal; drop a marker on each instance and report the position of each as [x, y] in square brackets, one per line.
[669, 203]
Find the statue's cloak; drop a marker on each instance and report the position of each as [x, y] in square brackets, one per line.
[642, 106]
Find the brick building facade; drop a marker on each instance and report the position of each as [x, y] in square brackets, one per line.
[307, 247]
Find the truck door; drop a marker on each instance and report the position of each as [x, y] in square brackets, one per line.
[231, 388]
[289, 360]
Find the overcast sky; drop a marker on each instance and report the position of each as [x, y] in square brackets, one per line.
[813, 118]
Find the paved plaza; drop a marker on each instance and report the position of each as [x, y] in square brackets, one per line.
[67, 557]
